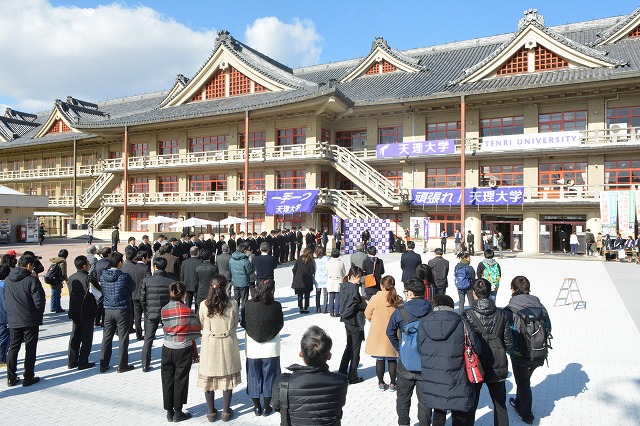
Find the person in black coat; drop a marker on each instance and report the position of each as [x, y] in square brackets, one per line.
[352, 306]
[488, 321]
[145, 245]
[82, 311]
[189, 276]
[310, 239]
[409, 262]
[303, 272]
[445, 385]
[299, 241]
[262, 319]
[154, 294]
[373, 265]
[138, 272]
[315, 396]
[440, 268]
[101, 266]
[264, 264]
[206, 271]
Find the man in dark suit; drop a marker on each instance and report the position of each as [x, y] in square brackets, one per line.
[337, 239]
[146, 246]
[264, 264]
[222, 262]
[138, 272]
[299, 241]
[131, 249]
[241, 239]
[219, 245]
[284, 247]
[232, 243]
[310, 239]
[82, 311]
[189, 276]
[409, 262]
[271, 239]
[471, 241]
[292, 245]
[277, 244]
[210, 244]
[325, 238]
[205, 271]
[154, 294]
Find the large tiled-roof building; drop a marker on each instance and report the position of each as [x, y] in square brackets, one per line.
[550, 114]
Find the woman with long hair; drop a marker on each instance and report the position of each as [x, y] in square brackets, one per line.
[181, 329]
[379, 310]
[352, 306]
[335, 274]
[373, 265]
[320, 279]
[425, 274]
[303, 272]
[262, 320]
[219, 352]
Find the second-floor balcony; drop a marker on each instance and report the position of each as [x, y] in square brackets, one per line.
[49, 173]
[166, 199]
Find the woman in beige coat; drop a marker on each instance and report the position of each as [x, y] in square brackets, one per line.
[379, 310]
[335, 275]
[220, 352]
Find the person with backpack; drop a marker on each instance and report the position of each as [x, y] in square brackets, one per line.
[463, 274]
[404, 322]
[531, 328]
[491, 325]
[56, 276]
[489, 269]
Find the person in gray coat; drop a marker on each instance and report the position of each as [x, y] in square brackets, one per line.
[222, 262]
[206, 271]
[440, 268]
[445, 385]
[189, 276]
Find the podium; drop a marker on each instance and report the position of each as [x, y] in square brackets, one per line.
[569, 294]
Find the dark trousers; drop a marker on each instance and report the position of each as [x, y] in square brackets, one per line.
[303, 299]
[498, 393]
[120, 321]
[100, 312]
[261, 373]
[441, 290]
[522, 374]
[241, 295]
[284, 253]
[334, 303]
[469, 296]
[351, 355]
[114, 246]
[443, 245]
[4, 343]
[189, 298]
[458, 418]
[137, 318]
[292, 252]
[276, 253]
[298, 249]
[28, 335]
[150, 328]
[403, 401]
[338, 245]
[176, 364]
[90, 240]
[81, 340]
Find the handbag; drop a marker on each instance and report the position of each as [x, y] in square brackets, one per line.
[429, 291]
[472, 363]
[370, 280]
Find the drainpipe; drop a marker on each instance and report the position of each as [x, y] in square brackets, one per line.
[75, 169]
[246, 168]
[463, 129]
[125, 189]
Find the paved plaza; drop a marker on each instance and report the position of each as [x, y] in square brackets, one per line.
[590, 379]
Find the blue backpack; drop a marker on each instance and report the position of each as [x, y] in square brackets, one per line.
[462, 278]
[409, 354]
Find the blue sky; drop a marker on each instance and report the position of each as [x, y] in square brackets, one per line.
[97, 50]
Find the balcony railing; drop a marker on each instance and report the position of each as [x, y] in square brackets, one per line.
[62, 201]
[50, 173]
[182, 198]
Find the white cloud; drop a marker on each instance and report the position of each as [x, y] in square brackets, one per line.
[296, 44]
[92, 53]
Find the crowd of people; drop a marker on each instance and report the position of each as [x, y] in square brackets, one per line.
[203, 290]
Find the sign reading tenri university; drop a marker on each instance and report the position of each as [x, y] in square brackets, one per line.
[412, 149]
[531, 141]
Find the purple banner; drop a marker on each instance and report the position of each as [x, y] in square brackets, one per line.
[504, 196]
[336, 222]
[413, 149]
[291, 201]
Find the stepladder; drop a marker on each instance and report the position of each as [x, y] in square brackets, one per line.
[569, 294]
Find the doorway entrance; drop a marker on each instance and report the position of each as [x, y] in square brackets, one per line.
[509, 226]
[555, 232]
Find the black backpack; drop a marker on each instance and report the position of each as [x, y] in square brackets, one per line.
[492, 345]
[53, 275]
[533, 340]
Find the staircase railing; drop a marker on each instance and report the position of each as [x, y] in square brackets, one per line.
[345, 204]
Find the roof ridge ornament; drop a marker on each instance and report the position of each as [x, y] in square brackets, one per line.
[225, 37]
[531, 15]
[380, 41]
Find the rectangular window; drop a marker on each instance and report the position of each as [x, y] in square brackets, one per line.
[443, 130]
[114, 155]
[139, 185]
[290, 221]
[344, 183]
[256, 181]
[49, 163]
[32, 164]
[258, 222]
[501, 126]
[621, 174]
[502, 175]
[393, 176]
[169, 147]
[256, 139]
[395, 222]
[67, 189]
[208, 144]
[387, 135]
[443, 177]
[66, 161]
[629, 115]
[562, 121]
[290, 137]
[549, 175]
[140, 149]
[88, 159]
[450, 222]
[162, 227]
[49, 188]
[208, 182]
[291, 179]
[168, 184]
[325, 135]
[352, 139]
[135, 219]
[14, 166]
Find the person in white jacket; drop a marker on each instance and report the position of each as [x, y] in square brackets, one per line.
[335, 275]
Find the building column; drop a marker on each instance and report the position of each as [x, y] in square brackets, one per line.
[593, 222]
[473, 223]
[530, 232]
